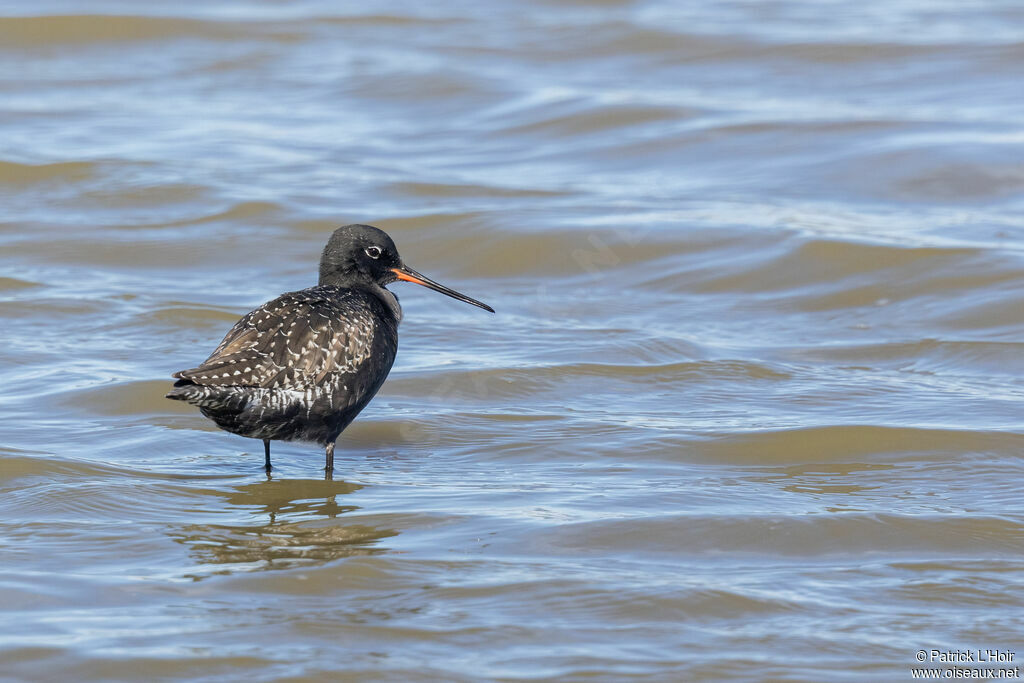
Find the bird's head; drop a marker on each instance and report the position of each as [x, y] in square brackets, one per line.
[364, 255]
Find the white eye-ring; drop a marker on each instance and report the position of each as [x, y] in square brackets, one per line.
[373, 252]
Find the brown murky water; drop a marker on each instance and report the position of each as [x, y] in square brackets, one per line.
[750, 408]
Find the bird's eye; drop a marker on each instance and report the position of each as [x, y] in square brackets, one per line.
[373, 252]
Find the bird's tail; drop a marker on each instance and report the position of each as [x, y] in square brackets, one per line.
[185, 390]
[230, 400]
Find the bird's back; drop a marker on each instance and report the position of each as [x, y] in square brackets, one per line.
[299, 367]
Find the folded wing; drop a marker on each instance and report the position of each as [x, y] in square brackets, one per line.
[292, 342]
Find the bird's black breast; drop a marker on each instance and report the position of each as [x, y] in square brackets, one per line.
[299, 367]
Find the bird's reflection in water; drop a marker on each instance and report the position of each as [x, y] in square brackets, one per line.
[300, 522]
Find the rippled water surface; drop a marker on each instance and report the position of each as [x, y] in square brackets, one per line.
[750, 407]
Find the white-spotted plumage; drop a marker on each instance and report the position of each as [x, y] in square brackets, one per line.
[303, 365]
[284, 370]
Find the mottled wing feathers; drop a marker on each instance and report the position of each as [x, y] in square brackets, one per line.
[239, 337]
[292, 342]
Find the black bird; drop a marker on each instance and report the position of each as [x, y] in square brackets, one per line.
[302, 366]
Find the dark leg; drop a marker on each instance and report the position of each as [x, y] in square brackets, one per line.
[266, 454]
[330, 457]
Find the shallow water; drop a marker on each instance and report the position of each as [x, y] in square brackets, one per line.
[750, 407]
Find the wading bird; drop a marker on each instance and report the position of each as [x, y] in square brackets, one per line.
[301, 367]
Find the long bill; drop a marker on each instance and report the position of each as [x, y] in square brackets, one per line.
[407, 274]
